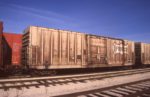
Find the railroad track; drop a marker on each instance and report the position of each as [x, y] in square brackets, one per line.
[135, 89]
[82, 78]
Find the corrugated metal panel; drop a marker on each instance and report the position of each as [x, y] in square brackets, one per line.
[57, 48]
[25, 48]
[64, 47]
[129, 52]
[97, 51]
[115, 52]
[15, 43]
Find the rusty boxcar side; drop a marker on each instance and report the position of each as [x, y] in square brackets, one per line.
[115, 52]
[120, 52]
[109, 52]
[14, 42]
[142, 51]
[57, 48]
[66, 49]
[97, 51]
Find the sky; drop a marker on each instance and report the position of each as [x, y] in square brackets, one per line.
[126, 19]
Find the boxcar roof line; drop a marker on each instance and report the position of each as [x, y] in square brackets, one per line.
[75, 32]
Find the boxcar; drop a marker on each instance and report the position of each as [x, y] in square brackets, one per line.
[142, 51]
[13, 48]
[55, 49]
[108, 52]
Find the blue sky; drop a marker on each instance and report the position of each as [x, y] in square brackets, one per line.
[127, 19]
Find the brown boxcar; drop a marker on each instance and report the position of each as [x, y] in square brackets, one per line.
[44, 47]
[57, 48]
[14, 42]
[142, 51]
[107, 52]
[1, 31]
